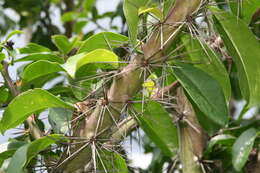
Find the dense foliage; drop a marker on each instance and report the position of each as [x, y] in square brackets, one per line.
[186, 74]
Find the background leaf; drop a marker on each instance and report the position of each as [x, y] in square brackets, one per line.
[103, 40]
[204, 91]
[209, 62]
[131, 8]
[159, 127]
[62, 43]
[59, 119]
[112, 162]
[242, 148]
[246, 56]
[18, 160]
[40, 56]
[40, 68]
[98, 57]
[33, 48]
[27, 103]
[40, 144]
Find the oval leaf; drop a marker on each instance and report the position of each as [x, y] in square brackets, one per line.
[40, 68]
[103, 40]
[59, 119]
[235, 34]
[130, 8]
[111, 162]
[40, 144]
[62, 43]
[223, 139]
[40, 56]
[242, 148]
[208, 62]
[33, 48]
[99, 57]
[27, 103]
[204, 91]
[18, 160]
[159, 127]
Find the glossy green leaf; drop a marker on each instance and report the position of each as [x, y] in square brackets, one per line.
[2, 56]
[40, 56]
[18, 160]
[246, 56]
[111, 162]
[223, 139]
[154, 11]
[38, 82]
[59, 119]
[27, 103]
[158, 126]
[40, 68]
[244, 9]
[15, 32]
[6, 155]
[4, 93]
[62, 43]
[103, 40]
[40, 144]
[69, 16]
[88, 4]
[130, 8]
[204, 91]
[33, 48]
[78, 26]
[242, 148]
[99, 57]
[208, 62]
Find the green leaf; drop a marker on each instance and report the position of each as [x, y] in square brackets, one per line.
[18, 160]
[40, 144]
[78, 26]
[209, 62]
[59, 119]
[158, 126]
[99, 57]
[103, 40]
[5, 155]
[154, 11]
[40, 56]
[223, 139]
[2, 56]
[62, 43]
[130, 8]
[33, 48]
[111, 162]
[246, 56]
[204, 91]
[69, 16]
[4, 93]
[245, 9]
[88, 4]
[27, 103]
[15, 32]
[40, 68]
[242, 148]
